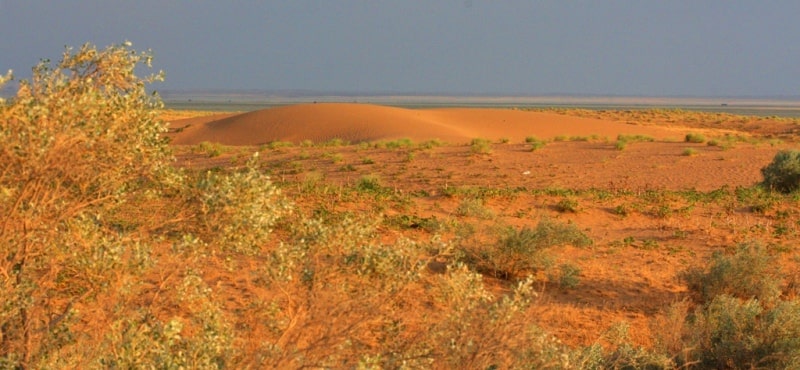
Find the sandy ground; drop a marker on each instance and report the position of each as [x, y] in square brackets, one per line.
[631, 273]
[365, 122]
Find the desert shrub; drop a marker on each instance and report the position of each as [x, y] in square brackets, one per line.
[729, 332]
[209, 149]
[757, 199]
[567, 205]
[783, 173]
[635, 138]
[750, 273]
[277, 144]
[568, 276]
[480, 331]
[370, 184]
[535, 142]
[77, 140]
[623, 140]
[689, 152]
[694, 138]
[141, 340]
[523, 251]
[336, 142]
[473, 207]
[481, 146]
[624, 355]
[430, 144]
[238, 209]
[399, 143]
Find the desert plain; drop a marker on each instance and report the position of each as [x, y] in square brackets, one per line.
[657, 191]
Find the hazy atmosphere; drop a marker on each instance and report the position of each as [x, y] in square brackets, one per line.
[519, 47]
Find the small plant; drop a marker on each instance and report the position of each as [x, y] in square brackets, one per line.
[335, 142]
[569, 276]
[279, 144]
[369, 183]
[783, 174]
[367, 160]
[473, 207]
[335, 157]
[430, 144]
[750, 273]
[621, 210]
[694, 138]
[210, 149]
[567, 205]
[689, 152]
[481, 146]
[535, 142]
[523, 251]
[635, 138]
[399, 143]
[732, 333]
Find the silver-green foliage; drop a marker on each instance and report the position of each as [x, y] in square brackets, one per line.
[783, 173]
[239, 209]
[76, 141]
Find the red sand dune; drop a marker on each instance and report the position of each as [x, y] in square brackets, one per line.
[366, 122]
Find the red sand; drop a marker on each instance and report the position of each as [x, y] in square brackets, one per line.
[365, 122]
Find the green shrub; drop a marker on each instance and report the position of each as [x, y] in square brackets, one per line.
[694, 138]
[370, 184]
[783, 173]
[76, 142]
[567, 205]
[689, 152]
[635, 138]
[481, 146]
[240, 209]
[732, 333]
[535, 142]
[568, 276]
[750, 273]
[524, 251]
[473, 207]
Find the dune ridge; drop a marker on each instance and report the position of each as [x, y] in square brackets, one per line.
[367, 122]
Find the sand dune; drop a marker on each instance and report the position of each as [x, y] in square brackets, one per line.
[366, 122]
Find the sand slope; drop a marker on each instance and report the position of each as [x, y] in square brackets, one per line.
[366, 122]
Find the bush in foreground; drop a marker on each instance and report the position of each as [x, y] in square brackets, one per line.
[783, 173]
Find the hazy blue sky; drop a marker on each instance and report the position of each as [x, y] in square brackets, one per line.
[636, 47]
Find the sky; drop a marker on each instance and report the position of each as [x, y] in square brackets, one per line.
[709, 48]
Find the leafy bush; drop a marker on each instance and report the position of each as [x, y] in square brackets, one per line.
[78, 140]
[689, 152]
[238, 209]
[567, 205]
[694, 138]
[481, 146]
[750, 273]
[783, 173]
[732, 333]
[535, 143]
[519, 252]
[369, 184]
[474, 207]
